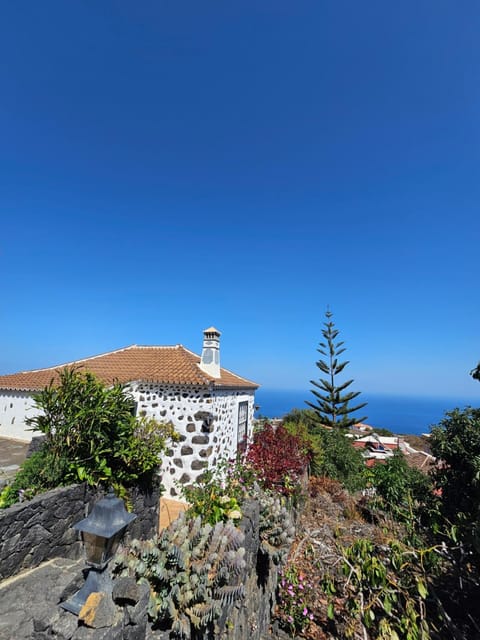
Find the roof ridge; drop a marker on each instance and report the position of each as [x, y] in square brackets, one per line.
[157, 346]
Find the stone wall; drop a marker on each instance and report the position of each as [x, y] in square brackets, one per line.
[40, 529]
[123, 616]
[249, 619]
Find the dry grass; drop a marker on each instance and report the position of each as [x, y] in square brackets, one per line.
[329, 521]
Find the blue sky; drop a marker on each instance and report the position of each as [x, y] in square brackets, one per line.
[166, 166]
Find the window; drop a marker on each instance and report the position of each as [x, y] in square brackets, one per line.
[242, 431]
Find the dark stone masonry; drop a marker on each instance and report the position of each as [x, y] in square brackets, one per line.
[123, 616]
[38, 530]
[41, 529]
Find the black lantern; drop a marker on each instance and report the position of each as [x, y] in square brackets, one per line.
[103, 529]
[101, 533]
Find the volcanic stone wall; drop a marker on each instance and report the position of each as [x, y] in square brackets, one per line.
[40, 529]
[245, 619]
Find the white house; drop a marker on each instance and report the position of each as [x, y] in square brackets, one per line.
[211, 407]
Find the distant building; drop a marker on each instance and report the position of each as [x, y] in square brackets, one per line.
[360, 427]
[385, 442]
[377, 448]
[211, 407]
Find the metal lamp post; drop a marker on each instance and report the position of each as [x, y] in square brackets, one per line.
[101, 533]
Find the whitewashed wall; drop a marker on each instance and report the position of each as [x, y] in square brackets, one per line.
[15, 407]
[207, 421]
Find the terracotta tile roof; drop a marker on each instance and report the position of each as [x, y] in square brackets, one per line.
[421, 461]
[174, 365]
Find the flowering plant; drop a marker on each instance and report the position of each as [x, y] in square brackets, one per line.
[217, 495]
[294, 596]
[209, 500]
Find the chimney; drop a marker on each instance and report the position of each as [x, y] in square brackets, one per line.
[210, 361]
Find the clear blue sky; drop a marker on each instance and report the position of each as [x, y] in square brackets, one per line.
[166, 166]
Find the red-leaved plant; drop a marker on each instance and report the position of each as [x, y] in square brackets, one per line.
[279, 459]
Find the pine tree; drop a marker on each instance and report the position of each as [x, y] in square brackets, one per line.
[332, 401]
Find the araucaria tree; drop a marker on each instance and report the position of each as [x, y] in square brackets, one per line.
[332, 400]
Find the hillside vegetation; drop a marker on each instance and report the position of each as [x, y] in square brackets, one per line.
[396, 560]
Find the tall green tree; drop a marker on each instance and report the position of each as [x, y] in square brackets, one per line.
[332, 400]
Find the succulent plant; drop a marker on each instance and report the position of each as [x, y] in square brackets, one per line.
[277, 529]
[192, 569]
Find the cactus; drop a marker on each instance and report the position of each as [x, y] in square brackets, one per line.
[193, 571]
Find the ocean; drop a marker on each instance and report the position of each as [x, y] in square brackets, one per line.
[400, 414]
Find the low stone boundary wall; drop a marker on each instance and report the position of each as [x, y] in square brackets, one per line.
[41, 529]
[249, 619]
[123, 616]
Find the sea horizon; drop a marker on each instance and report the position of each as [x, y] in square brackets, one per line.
[401, 414]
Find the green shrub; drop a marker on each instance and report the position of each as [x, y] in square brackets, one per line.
[455, 442]
[217, 494]
[210, 501]
[397, 483]
[341, 461]
[331, 452]
[40, 472]
[386, 590]
[92, 434]
[298, 423]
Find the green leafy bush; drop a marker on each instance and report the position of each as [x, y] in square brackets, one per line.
[208, 500]
[301, 424]
[386, 591]
[40, 472]
[341, 461]
[218, 493]
[93, 427]
[397, 484]
[455, 442]
[91, 435]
